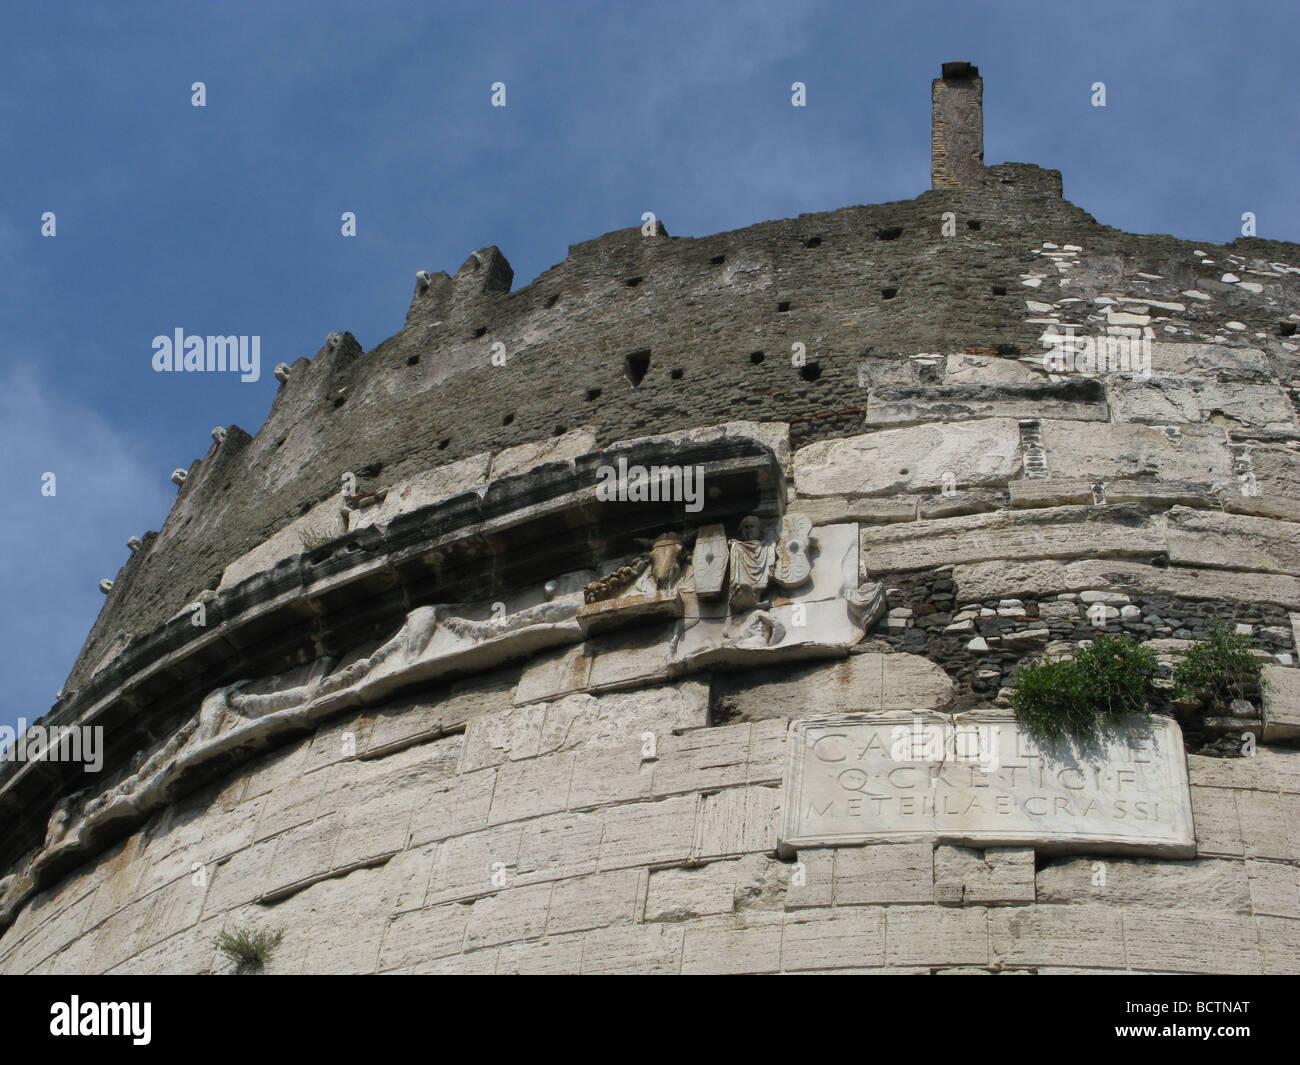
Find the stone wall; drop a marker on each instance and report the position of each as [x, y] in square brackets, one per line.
[533, 819]
[467, 834]
[957, 129]
[865, 289]
[466, 715]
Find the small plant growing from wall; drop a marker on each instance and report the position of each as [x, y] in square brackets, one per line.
[1218, 671]
[1108, 679]
[312, 541]
[249, 950]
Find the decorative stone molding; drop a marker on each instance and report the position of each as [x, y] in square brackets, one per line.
[478, 543]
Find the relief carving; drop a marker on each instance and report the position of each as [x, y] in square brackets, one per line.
[755, 559]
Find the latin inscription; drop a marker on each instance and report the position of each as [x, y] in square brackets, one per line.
[981, 780]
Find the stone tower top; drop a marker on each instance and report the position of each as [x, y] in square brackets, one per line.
[957, 132]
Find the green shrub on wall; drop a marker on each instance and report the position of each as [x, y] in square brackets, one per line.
[249, 950]
[1218, 671]
[1107, 679]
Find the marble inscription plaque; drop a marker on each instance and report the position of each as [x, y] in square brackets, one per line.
[978, 779]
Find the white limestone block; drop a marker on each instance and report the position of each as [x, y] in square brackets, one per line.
[424, 489]
[979, 452]
[1094, 451]
[524, 457]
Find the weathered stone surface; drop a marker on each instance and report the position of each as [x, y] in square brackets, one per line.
[1169, 942]
[1059, 532]
[996, 875]
[558, 846]
[1280, 507]
[1171, 400]
[736, 821]
[458, 805]
[1266, 819]
[421, 935]
[561, 956]
[754, 948]
[1277, 473]
[833, 939]
[773, 435]
[431, 486]
[1279, 945]
[1028, 494]
[1206, 360]
[509, 917]
[1281, 704]
[581, 721]
[531, 788]
[702, 759]
[979, 501]
[884, 873]
[1078, 399]
[869, 681]
[869, 510]
[640, 949]
[1208, 884]
[861, 780]
[936, 935]
[323, 522]
[985, 369]
[1274, 888]
[812, 879]
[334, 926]
[997, 580]
[629, 610]
[1086, 936]
[647, 833]
[1161, 495]
[1233, 541]
[894, 460]
[524, 457]
[1085, 450]
[715, 888]
[1218, 828]
[709, 560]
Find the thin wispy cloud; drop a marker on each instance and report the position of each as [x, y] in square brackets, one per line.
[58, 547]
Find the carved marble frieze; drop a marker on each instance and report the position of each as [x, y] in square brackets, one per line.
[773, 591]
[477, 546]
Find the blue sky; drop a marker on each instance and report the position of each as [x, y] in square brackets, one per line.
[225, 219]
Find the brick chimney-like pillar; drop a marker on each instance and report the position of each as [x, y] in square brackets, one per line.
[957, 134]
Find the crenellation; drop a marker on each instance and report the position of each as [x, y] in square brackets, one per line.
[460, 712]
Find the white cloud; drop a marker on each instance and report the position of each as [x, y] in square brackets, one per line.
[56, 549]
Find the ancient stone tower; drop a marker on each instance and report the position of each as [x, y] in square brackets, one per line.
[957, 129]
[664, 615]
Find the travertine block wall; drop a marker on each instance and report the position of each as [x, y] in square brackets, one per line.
[611, 804]
[551, 838]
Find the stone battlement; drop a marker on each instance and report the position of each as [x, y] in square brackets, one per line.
[395, 664]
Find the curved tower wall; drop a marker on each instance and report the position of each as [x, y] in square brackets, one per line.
[470, 715]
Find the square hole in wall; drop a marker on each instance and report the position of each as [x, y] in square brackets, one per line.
[635, 365]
